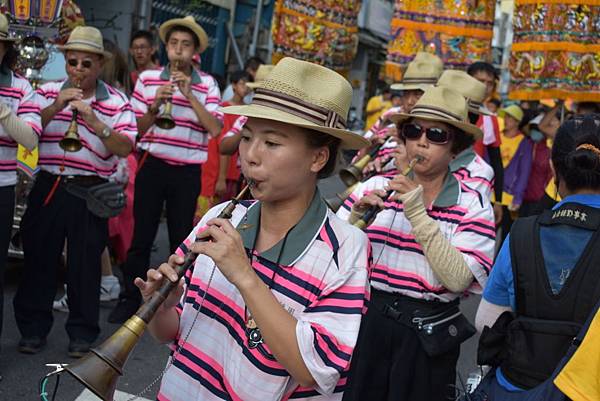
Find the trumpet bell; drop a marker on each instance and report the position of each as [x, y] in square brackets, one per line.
[351, 175]
[70, 142]
[100, 369]
[165, 121]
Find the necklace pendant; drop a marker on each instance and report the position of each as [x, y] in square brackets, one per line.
[254, 337]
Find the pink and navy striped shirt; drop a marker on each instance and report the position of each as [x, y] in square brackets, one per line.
[470, 168]
[187, 142]
[321, 279]
[21, 99]
[380, 129]
[236, 129]
[111, 106]
[399, 263]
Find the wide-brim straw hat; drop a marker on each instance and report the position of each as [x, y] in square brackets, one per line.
[305, 95]
[514, 111]
[421, 73]
[443, 105]
[4, 36]
[187, 22]
[86, 39]
[470, 88]
[261, 74]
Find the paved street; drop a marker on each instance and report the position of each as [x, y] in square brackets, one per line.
[23, 372]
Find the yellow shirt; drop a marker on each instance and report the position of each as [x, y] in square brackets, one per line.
[375, 103]
[551, 189]
[508, 148]
[580, 378]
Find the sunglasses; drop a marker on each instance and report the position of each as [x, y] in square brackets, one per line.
[434, 135]
[73, 62]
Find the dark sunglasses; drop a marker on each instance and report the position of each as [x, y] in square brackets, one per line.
[438, 136]
[73, 62]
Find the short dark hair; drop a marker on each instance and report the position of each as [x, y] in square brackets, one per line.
[9, 61]
[589, 107]
[318, 139]
[179, 28]
[484, 67]
[577, 166]
[253, 63]
[236, 76]
[461, 140]
[142, 34]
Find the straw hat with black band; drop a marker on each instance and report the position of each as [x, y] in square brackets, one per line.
[421, 73]
[188, 22]
[470, 88]
[86, 39]
[4, 35]
[305, 95]
[443, 105]
[261, 74]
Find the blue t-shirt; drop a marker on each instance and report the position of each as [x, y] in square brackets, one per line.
[562, 245]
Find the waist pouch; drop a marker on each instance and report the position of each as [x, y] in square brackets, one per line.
[103, 200]
[440, 327]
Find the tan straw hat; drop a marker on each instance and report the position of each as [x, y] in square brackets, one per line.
[4, 37]
[187, 22]
[305, 95]
[443, 105]
[423, 72]
[466, 85]
[261, 75]
[86, 39]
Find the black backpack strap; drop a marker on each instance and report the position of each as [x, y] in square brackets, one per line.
[523, 260]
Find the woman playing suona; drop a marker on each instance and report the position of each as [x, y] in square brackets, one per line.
[432, 240]
[280, 316]
[544, 284]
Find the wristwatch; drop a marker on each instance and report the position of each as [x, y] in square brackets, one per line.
[105, 133]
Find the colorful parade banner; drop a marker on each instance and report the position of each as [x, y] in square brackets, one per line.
[458, 31]
[27, 161]
[21, 9]
[322, 31]
[556, 50]
[49, 10]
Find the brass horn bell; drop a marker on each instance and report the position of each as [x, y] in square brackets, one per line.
[71, 142]
[165, 120]
[100, 369]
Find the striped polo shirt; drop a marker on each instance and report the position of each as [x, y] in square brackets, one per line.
[235, 129]
[399, 264]
[187, 142]
[112, 108]
[380, 129]
[321, 280]
[19, 96]
[471, 169]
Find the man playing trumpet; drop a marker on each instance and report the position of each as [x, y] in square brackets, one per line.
[169, 170]
[106, 130]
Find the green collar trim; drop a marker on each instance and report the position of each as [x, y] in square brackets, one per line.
[165, 75]
[298, 239]
[462, 159]
[5, 76]
[101, 90]
[450, 193]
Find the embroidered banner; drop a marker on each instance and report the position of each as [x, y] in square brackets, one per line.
[556, 50]
[321, 31]
[459, 31]
[49, 10]
[21, 9]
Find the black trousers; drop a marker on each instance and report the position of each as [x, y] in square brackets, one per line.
[389, 363]
[158, 182]
[7, 207]
[44, 230]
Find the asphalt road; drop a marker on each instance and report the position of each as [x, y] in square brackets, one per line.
[22, 373]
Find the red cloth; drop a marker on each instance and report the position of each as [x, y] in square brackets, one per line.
[210, 169]
[120, 228]
[540, 173]
[479, 147]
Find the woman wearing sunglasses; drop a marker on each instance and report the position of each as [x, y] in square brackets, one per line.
[432, 240]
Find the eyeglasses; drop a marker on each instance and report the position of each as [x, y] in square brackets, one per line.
[434, 135]
[73, 62]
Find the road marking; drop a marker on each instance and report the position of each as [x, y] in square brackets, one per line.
[119, 396]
